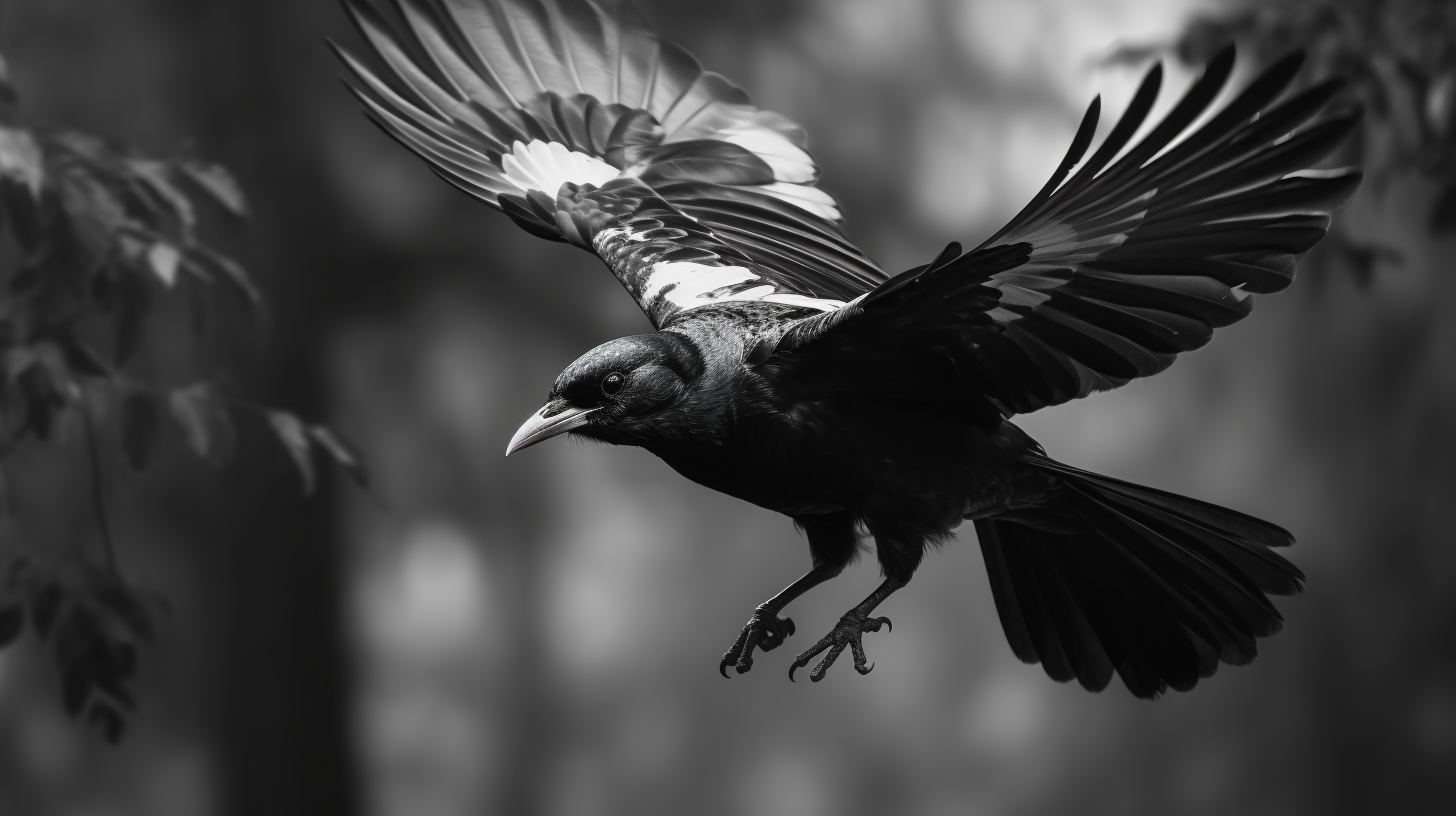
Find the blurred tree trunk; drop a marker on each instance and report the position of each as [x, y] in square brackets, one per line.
[280, 564]
[277, 573]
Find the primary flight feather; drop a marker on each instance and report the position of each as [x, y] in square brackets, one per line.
[790, 371]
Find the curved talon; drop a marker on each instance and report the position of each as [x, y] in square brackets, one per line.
[847, 634]
[785, 634]
[889, 627]
[764, 630]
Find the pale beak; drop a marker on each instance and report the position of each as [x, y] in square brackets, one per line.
[550, 421]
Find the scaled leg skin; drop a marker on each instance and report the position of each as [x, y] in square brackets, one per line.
[831, 546]
[848, 632]
[899, 553]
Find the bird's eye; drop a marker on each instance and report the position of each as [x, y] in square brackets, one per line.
[612, 383]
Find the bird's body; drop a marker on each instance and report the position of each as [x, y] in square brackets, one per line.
[891, 463]
[790, 371]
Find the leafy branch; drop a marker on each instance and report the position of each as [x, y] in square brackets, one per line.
[1400, 59]
[92, 235]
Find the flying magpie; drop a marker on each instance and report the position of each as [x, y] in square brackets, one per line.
[790, 371]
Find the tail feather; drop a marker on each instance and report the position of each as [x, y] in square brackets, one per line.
[1183, 564]
[1230, 522]
[1156, 587]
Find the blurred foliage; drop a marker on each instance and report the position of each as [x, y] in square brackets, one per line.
[94, 234]
[1399, 57]
[529, 636]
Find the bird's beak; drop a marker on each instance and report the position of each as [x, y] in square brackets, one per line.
[553, 419]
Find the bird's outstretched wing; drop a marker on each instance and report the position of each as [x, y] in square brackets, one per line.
[1107, 275]
[577, 121]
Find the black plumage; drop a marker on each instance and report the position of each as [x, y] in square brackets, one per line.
[790, 371]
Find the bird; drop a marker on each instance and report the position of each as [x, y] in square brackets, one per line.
[789, 370]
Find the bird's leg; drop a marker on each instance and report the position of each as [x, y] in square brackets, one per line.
[848, 633]
[765, 629]
[831, 545]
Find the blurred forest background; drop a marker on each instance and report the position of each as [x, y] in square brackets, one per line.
[541, 635]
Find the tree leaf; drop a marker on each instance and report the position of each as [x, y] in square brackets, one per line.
[76, 688]
[154, 177]
[91, 150]
[190, 409]
[293, 434]
[204, 263]
[113, 686]
[41, 396]
[163, 258]
[220, 184]
[45, 606]
[1443, 212]
[205, 422]
[82, 359]
[23, 212]
[21, 160]
[53, 360]
[18, 360]
[129, 608]
[21, 575]
[113, 728]
[141, 425]
[12, 623]
[97, 215]
[134, 303]
[8, 97]
[103, 288]
[343, 454]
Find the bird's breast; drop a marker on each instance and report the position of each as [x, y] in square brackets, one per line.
[817, 456]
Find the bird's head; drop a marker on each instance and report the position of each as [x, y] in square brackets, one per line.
[614, 391]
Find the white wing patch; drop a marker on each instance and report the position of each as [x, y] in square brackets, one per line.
[810, 199]
[789, 162]
[690, 285]
[545, 166]
[793, 169]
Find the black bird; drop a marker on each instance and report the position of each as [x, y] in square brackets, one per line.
[788, 370]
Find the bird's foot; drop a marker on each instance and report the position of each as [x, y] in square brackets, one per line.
[765, 629]
[847, 633]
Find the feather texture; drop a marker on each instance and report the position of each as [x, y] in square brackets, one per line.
[1155, 586]
[1121, 265]
[797, 376]
[506, 97]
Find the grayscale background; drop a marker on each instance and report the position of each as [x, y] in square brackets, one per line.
[541, 635]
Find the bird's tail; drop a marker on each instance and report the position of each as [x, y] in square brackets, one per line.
[1108, 575]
